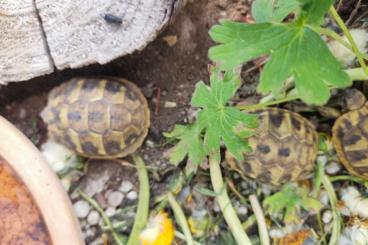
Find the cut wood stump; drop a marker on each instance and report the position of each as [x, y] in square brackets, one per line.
[38, 36]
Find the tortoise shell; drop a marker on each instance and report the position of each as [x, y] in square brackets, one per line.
[98, 117]
[350, 139]
[285, 147]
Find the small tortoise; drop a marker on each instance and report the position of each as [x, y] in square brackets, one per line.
[284, 147]
[350, 139]
[98, 117]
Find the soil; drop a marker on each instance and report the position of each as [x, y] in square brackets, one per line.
[165, 73]
[166, 70]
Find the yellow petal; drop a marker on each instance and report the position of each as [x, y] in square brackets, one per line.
[159, 231]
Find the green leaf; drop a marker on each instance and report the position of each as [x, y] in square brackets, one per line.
[288, 202]
[314, 10]
[273, 10]
[190, 143]
[295, 51]
[220, 121]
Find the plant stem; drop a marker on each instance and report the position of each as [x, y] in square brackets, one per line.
[348, 177]
[346, 32]
[143, 201]
[337, 37]
[182, 237]
[319, 173]
[262, 105]
[262, 228]
[105, 219]
[336, 228]
[180, 218]
[224, 202]
[357, 74]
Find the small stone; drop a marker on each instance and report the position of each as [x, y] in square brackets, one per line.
[81, 209]
[150, 143]
[22, 113]
[115, 198]
[242, 210]
[170, 40]
[327, 217]
[322, 159]
[170, 104]
[266, 189]
[126, 186]
[323, 198]
[333, 168]
[132, 195]
[216, 207]
[98, 241]
[110, 211]
[93, 218]
[89, 233]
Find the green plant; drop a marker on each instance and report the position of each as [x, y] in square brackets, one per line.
[289, 201]
[299, 66]
[295, 48]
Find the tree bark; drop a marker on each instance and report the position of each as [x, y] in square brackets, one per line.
[38, 36]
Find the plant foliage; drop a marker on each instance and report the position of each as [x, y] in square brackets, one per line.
[289, 200]
[294, 50]
[217, 122]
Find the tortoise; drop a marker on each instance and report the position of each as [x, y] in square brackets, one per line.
[285, 147]
[102, 117]
[350, 139]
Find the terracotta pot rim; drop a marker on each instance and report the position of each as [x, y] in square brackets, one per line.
[43, 184]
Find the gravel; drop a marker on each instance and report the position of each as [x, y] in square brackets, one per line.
[115, 198]
[81, 209]
[126, 186]
[133, 195]
[333, 168]
[93, 218]
[327, 216]
[110, 211]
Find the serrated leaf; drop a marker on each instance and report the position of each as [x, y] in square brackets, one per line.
[273, 10]
[289, 200]
[219, 120]
[314, 10]
[190, 143]
[295, 51]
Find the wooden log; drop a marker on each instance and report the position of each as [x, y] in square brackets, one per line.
[44, 34]
[23, 51]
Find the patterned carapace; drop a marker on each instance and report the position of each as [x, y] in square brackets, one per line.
[284, 147]
[350, 138]
[98, 117]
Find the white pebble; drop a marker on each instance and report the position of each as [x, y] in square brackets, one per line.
[170, 104]
[98, 241]
[93, 217]
[322, 159]
[115, 198]
[110, 211]
[132, 195]
[89, 233]
[216, 207]
[81, 209]
[327, 217]
[355, 202]
[333, 167]
[323, 197]
[242, 210]
[126, 186]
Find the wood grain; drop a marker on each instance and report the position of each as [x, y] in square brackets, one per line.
[45, 34]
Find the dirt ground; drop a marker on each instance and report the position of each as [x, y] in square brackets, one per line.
[166, 70]
[167, 75]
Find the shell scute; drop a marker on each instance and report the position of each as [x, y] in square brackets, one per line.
[101, 118]
[350, 138]
[284, 148]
